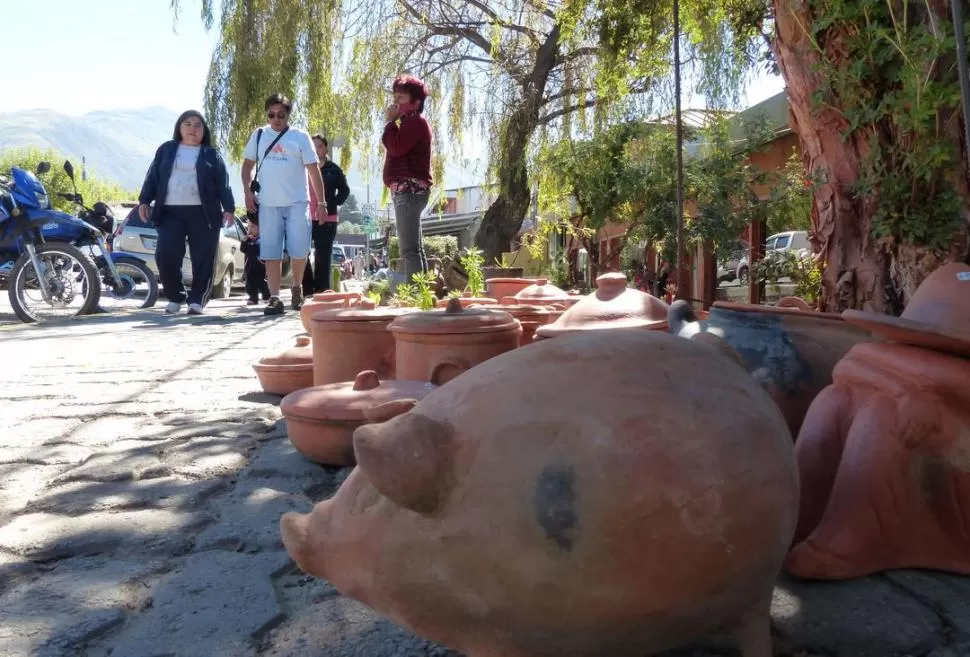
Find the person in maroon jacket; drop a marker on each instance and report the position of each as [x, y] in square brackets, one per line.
[407, 167]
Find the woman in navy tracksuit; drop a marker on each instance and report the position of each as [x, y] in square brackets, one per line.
[189, 186]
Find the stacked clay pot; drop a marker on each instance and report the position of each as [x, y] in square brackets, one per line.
[352, 339]
[320, 420]
[791, 352]
[499, 288]
[648, 466]
[438, 345]
[613, 305]
[467, 301]
[544, 293]
[530, 317]
[326, 301]
[287, 371]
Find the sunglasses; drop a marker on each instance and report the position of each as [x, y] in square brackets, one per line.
[274, 115]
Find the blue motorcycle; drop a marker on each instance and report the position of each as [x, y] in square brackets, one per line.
[45, 279]
[126, 281]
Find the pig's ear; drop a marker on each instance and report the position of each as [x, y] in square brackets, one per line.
[387, 410]
[408, 459]
[295, 528]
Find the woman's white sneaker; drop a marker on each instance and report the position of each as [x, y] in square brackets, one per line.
[172, 307]
[195, 309]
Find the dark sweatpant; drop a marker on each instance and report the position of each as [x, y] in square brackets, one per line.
[316, 278]
[181, 223]
[255, 274]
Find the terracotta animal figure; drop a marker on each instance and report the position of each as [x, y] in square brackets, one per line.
[611, 493]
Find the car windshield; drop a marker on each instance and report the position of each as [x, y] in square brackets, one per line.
[782, 242]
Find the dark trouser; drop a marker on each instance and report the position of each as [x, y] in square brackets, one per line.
[255, 269]
[181, 223]
[316, 277]
[407, 216]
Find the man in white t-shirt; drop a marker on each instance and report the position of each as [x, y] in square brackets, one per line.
[282, 159]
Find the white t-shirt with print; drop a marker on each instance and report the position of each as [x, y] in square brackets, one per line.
[282, 175]
[183, 184]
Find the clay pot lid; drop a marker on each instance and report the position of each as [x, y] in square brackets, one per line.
[613, 305]
[364, 311]
[774, 310]
[937, 317]
[500, 279]
[299, 354]
[468, 301]
[454, 319]
[541, 290]
[523, 311]
[347, 401]
[335, 296]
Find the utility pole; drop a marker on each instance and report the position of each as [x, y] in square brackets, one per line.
[678, 122]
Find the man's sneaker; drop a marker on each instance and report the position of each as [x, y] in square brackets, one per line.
[195, 309]
[172, 307]
[297, 299]
[252, 302]
[274, 307]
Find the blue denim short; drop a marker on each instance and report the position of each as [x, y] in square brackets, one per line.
[289, 222]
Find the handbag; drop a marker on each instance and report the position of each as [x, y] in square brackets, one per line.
[254, 183]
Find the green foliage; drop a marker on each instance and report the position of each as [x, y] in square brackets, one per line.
[405, 296]
[789, 206]
[348, 228]
[424, 297]
[558, 273]
[473, 262]
[56, 181]
[435, 246]
[803, 271]
[378, 291]
[888, 68]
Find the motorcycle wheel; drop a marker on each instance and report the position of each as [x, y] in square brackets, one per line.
[138, 287]
[82, 274]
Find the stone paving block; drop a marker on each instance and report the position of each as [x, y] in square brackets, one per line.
[32, 432]
[948, 595]
[104, 431]
[14, 568]
[46, 454]
[278, 458]
[248, 518]
[868, 617]
[44, 536]
[121, 461]
[219, 603]
[20, 482]
[79, 497]
[78, 600]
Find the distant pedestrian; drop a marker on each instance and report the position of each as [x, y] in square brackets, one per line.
[276, 197]
[189, 186]
[255, 271]
[407, 167]
[317, 276]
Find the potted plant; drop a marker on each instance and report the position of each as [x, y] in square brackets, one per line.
[503, 268]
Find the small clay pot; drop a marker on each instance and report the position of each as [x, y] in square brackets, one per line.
[353, 339]
[326, 301]
[320, 420]
[438, 345]
[467, 301]
[542, 293]
[790, 352]
[531, 318]
[613, 305]
[499, 288]
[287, 371]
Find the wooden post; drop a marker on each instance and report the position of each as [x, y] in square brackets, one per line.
[756, 253]
[708, 274]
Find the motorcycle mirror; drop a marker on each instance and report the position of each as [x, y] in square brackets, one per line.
[69, 169]
[43, 167]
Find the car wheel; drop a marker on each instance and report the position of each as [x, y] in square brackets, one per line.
[743, 276]
[223, 288]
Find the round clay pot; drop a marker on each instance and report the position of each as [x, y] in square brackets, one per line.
[350, 340]
[326, 301]
[467, 301]
[613, 305]
[499, 288]
[438, 345]
[790, 352]
[542, 293]
[320, 420]
[531, 318]
[287, 371]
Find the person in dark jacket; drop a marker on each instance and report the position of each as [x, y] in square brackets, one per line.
[316, 277]
[187, 192]
[254, 269]
[407, 167]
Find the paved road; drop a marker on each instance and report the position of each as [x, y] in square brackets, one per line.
[142, 476]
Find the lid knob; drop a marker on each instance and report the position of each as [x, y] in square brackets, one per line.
[611, 279]
[366, 380]
[367, 304]
[454, 306]
[302, 340]
[541, 281]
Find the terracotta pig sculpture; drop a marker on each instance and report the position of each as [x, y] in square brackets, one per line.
[610, 493]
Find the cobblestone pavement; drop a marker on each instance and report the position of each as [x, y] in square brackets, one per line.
[142, 476]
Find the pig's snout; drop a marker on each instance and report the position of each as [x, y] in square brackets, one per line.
[295, 528]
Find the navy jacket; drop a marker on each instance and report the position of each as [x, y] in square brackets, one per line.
[213, 180]
[335, 186]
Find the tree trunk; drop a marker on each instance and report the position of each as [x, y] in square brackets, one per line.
[859, 272]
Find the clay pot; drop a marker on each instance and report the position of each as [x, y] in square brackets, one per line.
[530, 317]
[287, 371]
[351, 340]
[649, 465]
[320, 420]
[793, 302]
[467, 301]
[438, 345]
[613, 305]
[790, 352]
[326, 301]
[541, 293]
[499, 288]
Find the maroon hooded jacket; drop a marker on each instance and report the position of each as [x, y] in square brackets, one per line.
[408, 149]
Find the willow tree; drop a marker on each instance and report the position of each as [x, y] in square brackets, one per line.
[511, 71]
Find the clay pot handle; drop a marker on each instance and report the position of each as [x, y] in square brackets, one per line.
[442, 367]
[302, 340]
